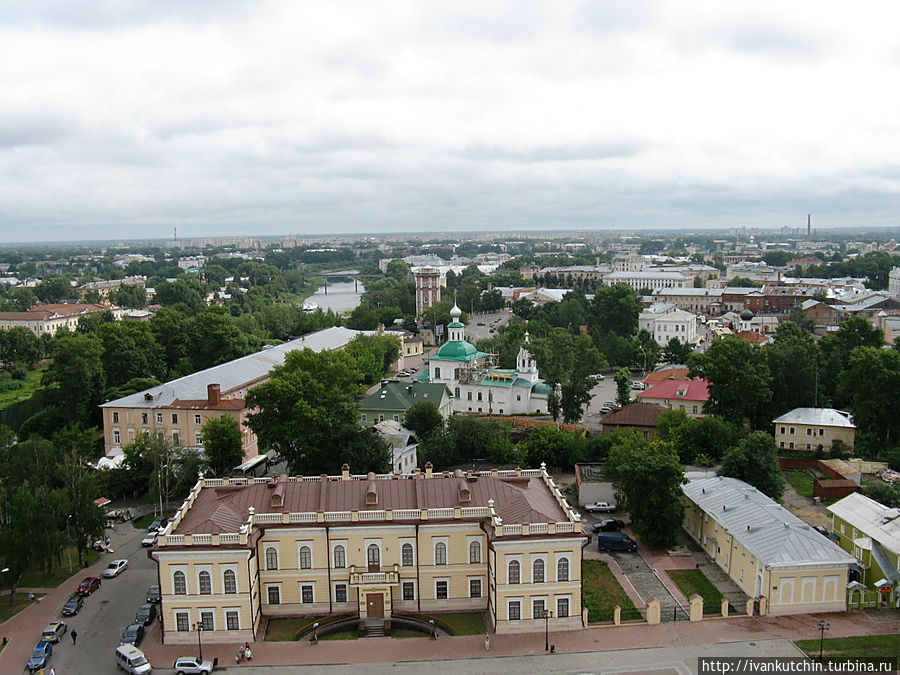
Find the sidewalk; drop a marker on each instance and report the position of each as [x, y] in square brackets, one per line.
[387, 650]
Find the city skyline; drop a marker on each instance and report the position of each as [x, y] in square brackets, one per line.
[277, 118]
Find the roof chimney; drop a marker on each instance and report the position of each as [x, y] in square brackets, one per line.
[345, 472]
[213, 395]
[371, 492]
[428, 468]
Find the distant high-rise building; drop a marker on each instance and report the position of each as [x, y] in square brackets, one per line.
[428, 289]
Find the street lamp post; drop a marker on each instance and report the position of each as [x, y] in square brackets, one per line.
[823, 626]
[547, 616]
[199, 628]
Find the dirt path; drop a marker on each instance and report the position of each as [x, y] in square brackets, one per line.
[804, 507]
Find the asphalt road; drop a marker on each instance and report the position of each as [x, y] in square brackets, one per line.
[474, 332]
[107, 612]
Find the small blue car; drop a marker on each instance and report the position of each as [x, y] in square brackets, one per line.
[40, 655]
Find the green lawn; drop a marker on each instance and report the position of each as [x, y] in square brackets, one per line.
[285, 629]
[467, 623]
[406, 633]
[7, 611]
[343, 635]
[31, 383]
[694, 581]
[854, 647]
[38, 578]
[601, 592]
[801, 480]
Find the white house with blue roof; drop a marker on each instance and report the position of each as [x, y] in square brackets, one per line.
[477, 385]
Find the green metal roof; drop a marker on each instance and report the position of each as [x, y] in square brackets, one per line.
[456, 324]
[458, 350]
[401, 395]
[541, 388]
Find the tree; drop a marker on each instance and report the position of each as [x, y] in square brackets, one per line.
[75, 380]
[363, 317]
[710, 437]
[793, 361]
[20, 345]
[647, 477]
[423, 417]
[738, 377]
[755, 461]
[676, 351]
[836, 349]
[866, 382]
[554, 447]
[374, 354]
[129, 295]
[566, 362]
[623, 385]
[53, 289]
[616, 308]
[130, 351]
[222, 444]
[307, 412]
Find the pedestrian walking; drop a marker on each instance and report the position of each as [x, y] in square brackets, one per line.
[238, 656]
[487, 642]
[74, 636]
[52, 671]
[248, 654]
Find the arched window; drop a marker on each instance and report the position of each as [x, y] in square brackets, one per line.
[475, 552]
[440, 553]
[230, 581]
[180, 583]
[406, 555]
[205, 583]
[537, 571]
[562, 569]
[271, 558]
[340, 557]
[373, 555]
[513, 572]
[305, 558]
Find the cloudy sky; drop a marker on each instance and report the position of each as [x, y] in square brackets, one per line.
[125, 119]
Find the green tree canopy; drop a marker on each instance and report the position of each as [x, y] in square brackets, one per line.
[868, 383]
[616, 308]
[647, 477]
[423, 417]
[222, 444]
[755, 461]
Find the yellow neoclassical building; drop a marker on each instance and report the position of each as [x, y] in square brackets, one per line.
[503, 542]
[772, 555]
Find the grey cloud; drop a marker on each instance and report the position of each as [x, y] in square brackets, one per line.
[34, 128]
[559, 153]
[518, 22]
[110, 14]
[612, 16]
[767, 40]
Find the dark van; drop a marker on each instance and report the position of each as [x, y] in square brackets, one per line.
[615, 541]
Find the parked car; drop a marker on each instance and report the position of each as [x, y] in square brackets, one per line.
[132, 660]
[150, 539]
[157, 524]
[821, 530]
[639, 386]
[609, 525]
[88, 585]
[115, 568]
[191, 665]
[615, 541]
[600, 507]
[39, 656]
[153, 594]
[605, 409]
[73, 604]
[481, 323]
[145, 614]
[54, 631]
[133, 635]
[598, 377]
[610, 404]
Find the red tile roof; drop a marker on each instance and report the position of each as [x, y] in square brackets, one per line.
[203, 404]
[688, 390]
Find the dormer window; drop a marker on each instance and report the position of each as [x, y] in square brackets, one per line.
[465, 495]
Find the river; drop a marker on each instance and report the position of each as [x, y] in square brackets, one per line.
[340, 297]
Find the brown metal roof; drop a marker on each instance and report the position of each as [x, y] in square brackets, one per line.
[634, 415]
[516, 500]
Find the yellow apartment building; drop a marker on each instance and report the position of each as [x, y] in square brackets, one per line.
[773, 556]
[808, 428]
[178, 409]
[506, 543]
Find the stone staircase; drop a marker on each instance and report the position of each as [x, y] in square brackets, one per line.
[374, 628]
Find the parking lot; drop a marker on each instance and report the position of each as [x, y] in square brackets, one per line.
[103, 617]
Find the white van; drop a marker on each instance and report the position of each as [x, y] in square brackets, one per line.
[132, 660]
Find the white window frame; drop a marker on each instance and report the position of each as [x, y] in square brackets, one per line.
[568, 599]
[312, 563]
[509, 603]
[509, 560]
[232, 610]
[278, 588]
[265, 549]
[117, 436]
[208, 571]
[198, 419]
[534, 558]
[187, 622]
[312, 588]
[415, 592]
[211, 612]
[365, 551]
[438, 580]
[334, 590]
[568, 560]
[334, 546]
[541, 599]
[480, 580]
[435, 541]
[233, 570]
[469, 542]
[413, 554]
[183, 570]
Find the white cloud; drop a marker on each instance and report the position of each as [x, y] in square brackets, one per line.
[280, 116]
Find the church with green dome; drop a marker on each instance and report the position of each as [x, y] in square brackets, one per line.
[477, 385]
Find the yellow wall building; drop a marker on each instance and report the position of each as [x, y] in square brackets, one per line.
[808, 428]
[503, 542]
[771, 554]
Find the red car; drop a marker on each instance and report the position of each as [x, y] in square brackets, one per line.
[88, 586]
